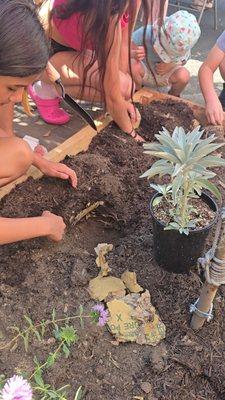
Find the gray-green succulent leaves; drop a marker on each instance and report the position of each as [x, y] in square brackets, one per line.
[185, 158]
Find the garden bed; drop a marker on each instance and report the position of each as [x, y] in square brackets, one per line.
[38, 276]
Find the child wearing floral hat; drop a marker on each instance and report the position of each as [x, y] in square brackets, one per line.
[168, 49]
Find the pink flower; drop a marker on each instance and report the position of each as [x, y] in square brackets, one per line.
[102, 314]
[16, 388]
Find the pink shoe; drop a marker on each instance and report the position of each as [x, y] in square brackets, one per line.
[49, 109]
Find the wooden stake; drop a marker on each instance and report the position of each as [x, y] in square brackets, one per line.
[207, 296]
[209, 291]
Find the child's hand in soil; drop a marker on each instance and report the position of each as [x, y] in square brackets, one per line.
[56, 170]
[214, 112]
[56, 226]
[136, 137]
[134, 115]
[164, 68]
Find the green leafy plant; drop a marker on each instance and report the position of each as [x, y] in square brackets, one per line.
[63, 335]
[185, 159]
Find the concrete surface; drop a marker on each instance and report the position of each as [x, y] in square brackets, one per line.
[51, 136]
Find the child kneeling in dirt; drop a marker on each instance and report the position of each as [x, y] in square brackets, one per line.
[168, 49]
[25, 53]
[216, 59]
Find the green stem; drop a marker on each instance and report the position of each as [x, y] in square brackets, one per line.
[183, 212]
[40, 367]
[30, 329]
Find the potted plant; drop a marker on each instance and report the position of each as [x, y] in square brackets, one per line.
[182, 213]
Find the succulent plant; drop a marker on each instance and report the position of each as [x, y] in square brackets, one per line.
[185, 158]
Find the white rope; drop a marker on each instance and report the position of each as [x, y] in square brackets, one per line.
[213, 267]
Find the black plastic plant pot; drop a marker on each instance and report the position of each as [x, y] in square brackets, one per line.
[176, 252]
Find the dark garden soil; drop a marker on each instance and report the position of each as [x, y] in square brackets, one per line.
[37, 276]
[168, 114]
[202, 213]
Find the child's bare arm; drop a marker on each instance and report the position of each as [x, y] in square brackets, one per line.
[16, 229]
[214, 110]
[6, 120]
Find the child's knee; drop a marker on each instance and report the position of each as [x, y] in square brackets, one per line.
[23, 155]
[181, 75]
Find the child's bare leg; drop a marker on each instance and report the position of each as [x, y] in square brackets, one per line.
[138, 72]
[179, 80]
[16, 157]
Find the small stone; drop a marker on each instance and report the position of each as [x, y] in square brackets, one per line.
[146, 387]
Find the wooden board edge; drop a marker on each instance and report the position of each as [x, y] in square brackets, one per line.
[77, 143]
[151, 95]
[81, 140]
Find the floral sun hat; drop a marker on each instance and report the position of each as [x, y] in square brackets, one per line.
[174, 40]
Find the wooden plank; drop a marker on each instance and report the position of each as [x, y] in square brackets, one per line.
[77, 143]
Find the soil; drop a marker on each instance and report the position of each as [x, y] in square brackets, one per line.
[202, 213]
[37, 276]
[168, 114]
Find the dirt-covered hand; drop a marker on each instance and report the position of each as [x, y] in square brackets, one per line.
[56, 226]
[133, 117]
[214, 112]
[57, 170]
[137, 137]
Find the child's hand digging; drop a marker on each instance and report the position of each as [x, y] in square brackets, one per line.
[56, 226]
[214, 112]
[135, 118]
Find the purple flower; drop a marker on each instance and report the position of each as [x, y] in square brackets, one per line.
[16, 388]
[100, 314]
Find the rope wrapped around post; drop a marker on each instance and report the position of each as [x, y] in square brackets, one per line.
[213, 265]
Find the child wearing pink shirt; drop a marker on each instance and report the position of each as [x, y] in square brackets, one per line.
[90, 51]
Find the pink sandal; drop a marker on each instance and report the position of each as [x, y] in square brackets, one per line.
[49, 109]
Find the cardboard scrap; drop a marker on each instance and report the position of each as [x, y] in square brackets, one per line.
[84, 213]
[101, 250]
[101, 287]
[130, 281]
[134, 319]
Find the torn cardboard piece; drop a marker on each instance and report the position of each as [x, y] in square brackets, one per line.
[130, 281]
[101, 287]
[101, 250]
[134, 319]
[132, 316]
